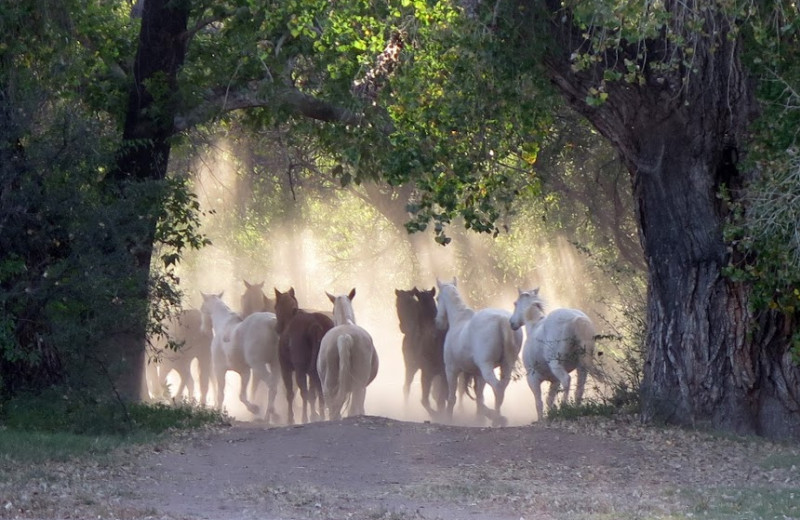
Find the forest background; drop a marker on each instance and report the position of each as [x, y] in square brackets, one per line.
[673, 193]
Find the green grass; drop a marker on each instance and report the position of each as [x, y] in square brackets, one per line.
[56, 427]
[19, 446]
[588, 408]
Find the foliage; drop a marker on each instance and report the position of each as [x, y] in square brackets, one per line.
[54, 411]
[763, 225]
[67, 241]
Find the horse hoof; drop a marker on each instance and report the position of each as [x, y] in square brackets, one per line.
[500, 421]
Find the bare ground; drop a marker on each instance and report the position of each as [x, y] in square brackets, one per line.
[377, 468]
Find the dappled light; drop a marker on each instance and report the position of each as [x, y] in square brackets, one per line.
[333, 239]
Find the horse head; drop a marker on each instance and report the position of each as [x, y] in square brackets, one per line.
[285, 307]
[254, 299]
[406, 310]
[426, 305]
[448, 294]
[529, 308]
[209, 302]
[343, 307]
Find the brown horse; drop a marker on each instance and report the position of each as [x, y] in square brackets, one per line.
[254, 299]
[185, 330]
[423, 344]
[300, 335]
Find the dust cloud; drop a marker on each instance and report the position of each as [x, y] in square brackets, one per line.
[338, 248]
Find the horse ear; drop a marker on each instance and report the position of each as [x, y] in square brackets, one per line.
[277, 292]
[352, 294]
[220, 294]
[291, 291]
[259, 285]
[433, 291]
[519, 291]
[536, 291]
[246, 283]
[331, 297]
[455, 282]
[397, 292]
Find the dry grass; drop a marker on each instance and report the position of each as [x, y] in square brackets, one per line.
[649, 473]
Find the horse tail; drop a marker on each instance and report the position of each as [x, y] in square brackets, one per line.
[585, 334]
[344, 344]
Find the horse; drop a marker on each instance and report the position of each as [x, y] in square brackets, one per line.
[423, 344]
[556, 344]
[254, 299]
[242, 345]
[347, 362]
[301, 333]
[194, 343]
[475, 344]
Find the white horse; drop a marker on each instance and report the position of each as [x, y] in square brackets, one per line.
[185, 330]
[242, 345]
[476, 343]
[556, 345]
[347, 361]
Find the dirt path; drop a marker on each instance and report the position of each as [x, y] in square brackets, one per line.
[378, 468]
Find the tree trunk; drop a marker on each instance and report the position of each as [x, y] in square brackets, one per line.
[143, 157]
[711, 362]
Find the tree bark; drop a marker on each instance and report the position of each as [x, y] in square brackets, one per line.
[711, 361]
[144, 157]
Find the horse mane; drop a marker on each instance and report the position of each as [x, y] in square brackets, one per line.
[457, 301]
[536, 300]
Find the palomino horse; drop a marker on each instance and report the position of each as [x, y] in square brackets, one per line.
[347, 362]
[556, 345]
[423, 344]
[476, 343]
[242, 345]
[254, 299]
[300, 335]
[186, 331]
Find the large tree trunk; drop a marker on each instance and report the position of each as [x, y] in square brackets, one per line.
[143, 157]
[711, 361]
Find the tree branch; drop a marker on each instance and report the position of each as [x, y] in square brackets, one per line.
[221, 101]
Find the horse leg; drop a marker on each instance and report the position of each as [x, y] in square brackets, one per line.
[272, 391]
[357, 398]
[582, 373]
[219, 378]
[318, 396]
[452, 383]
[260, 374]
[426, 380]
[535, 383]
[563, 378]
[411, 367]
[244, 375]
[487, 375]
[302, 384]
[286, 372]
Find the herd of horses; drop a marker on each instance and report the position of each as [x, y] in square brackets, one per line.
[332, 360]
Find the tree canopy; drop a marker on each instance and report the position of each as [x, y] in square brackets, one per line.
[458, 100]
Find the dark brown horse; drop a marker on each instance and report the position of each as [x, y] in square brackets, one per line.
[423, 344]
[300, 335]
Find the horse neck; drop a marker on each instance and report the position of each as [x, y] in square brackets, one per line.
[456, 309]
[222, 316]
[342, 314]
[533, 316]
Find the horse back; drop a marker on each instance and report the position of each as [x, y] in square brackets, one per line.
[301, 341]
[566, 335]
